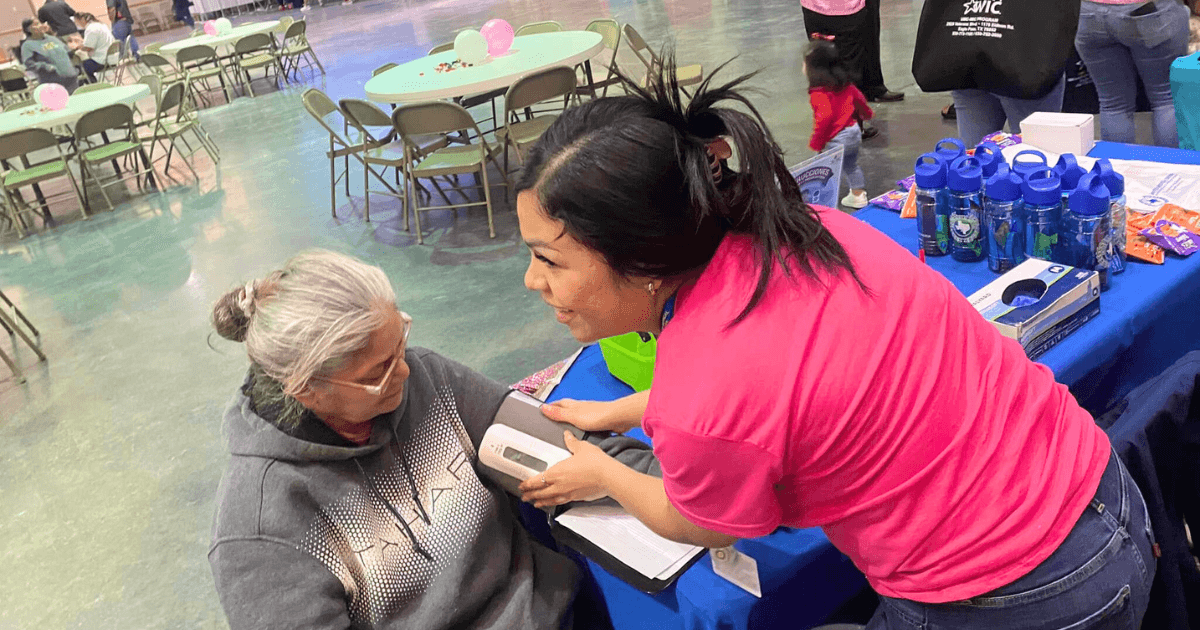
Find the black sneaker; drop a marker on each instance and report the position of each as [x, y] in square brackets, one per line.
[869, 132]
[886, 96]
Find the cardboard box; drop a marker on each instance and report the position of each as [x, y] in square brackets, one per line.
[1060, 133]
[1060, 300]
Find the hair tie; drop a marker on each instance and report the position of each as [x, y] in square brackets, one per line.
[822, 36]
[247, 301]
[718, 151]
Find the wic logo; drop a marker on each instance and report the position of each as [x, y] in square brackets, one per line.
[982, 6]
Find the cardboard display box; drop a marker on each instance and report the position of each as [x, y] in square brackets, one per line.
[1060, 133]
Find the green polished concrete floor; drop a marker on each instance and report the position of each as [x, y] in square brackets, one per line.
[111, 452]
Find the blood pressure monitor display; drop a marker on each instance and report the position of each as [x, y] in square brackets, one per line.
[524, 459]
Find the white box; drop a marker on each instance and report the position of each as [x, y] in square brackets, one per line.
[1060, 133]
[1069, 298]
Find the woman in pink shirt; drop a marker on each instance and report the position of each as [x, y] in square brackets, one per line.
[811, 372]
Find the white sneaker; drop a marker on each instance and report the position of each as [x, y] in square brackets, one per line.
[305, 9]
[852, 200]
[347, 3]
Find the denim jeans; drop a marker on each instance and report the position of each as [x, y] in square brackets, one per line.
[1117, 48]
[91, 67]
[122, 29]
[851, 139]
[981, 112]
[1098, 579]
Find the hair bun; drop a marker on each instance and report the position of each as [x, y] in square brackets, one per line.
[229, 318]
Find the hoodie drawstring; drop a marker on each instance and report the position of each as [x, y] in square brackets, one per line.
[391, 508]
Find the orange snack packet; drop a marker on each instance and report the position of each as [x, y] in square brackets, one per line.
[909, 210]
[1186, 218]
[1139, 247]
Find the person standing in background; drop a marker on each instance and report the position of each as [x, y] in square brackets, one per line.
[58, 14]
[47, 56]
[122, 24]
[1122, 40]
[183, 12]
[856, 30]
[873, 71]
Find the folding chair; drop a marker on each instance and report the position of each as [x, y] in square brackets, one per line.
[476, 100]
[685, 75]
[320, 107]
[296, 48]
[533, 28]
[425, 119]
[93, 154]
[9, 323]
[441, 48]
[384, 68]
[528, 91]
[256, 51]
[383, 152]
[610, 32]
[15, 88]
[159, 65]
[18, 145]
[92, 87]
[192, 62]
[152, 48]
[168, 127]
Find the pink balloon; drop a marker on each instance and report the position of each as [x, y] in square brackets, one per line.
[210, 28]
[499, 36]
[52, 96]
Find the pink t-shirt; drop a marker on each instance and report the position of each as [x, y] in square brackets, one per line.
[834, 7]
[931, 451]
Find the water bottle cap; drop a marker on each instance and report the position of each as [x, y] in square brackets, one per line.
[930, 171]
[965, 175]
[1033, 161]
[950, 149]
[1042, 188]
[1091, 197]
[1069, 171]
[1005, 185]
[1114, 181]
[989, 157]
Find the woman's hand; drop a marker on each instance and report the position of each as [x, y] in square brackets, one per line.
[581, 477]
[589, 415]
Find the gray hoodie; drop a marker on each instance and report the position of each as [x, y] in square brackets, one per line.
[312, 531]
[48, 58]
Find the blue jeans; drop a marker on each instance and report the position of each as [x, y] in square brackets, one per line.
[851, 139]
[1117, 48]
[91, 67]
[1098, 579]
[981, 112]
[122, 29]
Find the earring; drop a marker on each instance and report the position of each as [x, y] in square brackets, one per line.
[651, 289]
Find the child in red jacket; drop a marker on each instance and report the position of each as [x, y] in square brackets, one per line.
[838, 108]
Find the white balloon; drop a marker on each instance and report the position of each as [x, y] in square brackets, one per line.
[471, 46]
[224, 25]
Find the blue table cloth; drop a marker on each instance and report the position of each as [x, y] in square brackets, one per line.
[803, 577]
[1147, 319]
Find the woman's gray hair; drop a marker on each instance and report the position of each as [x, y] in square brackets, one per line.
[307, 318]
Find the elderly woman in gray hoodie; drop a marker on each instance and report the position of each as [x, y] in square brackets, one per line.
[47, 56]
[351, 498]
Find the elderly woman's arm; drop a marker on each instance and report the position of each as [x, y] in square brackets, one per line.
[264, 583]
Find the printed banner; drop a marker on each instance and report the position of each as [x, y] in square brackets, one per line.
[820, 177]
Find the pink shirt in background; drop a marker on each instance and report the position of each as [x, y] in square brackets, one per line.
[834, 7]
[1118, 1]
[931, 451]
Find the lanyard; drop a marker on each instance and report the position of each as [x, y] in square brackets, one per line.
[668, 311]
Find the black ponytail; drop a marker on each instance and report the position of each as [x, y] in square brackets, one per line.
[630, 178]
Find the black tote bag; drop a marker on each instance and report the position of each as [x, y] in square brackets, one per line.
[1014, 48]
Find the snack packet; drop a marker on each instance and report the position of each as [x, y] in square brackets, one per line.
[909, 211]
[1171, 236]
[1139, 247]
[1186, 218]
[907, 183]
[892, 200]
[1002, 139]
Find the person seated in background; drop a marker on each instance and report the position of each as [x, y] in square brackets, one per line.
[97, 39]
[351, 497]
[47, 56]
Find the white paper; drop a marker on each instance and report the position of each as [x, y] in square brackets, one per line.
[741, 570]
[624, 537]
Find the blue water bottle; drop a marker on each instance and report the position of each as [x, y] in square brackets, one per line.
[1115, 182]
[950, 149]
[1069, 171]
[932, 212]
[1043, 211]
[1086, 235]
[963, 181]
[1029, 161]
[990, 158]
[1004, 220]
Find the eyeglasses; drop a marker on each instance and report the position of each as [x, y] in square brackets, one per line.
[378, 389]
